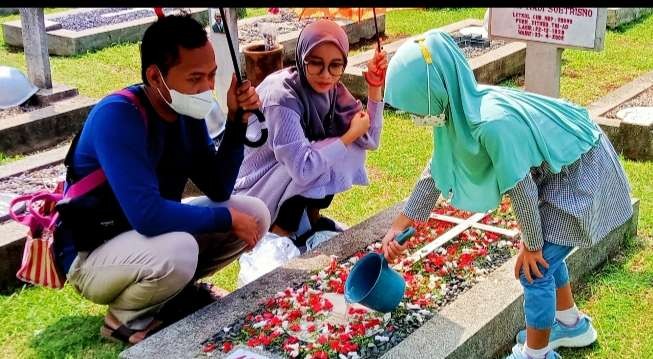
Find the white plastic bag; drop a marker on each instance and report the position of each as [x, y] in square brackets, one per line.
[269, 253]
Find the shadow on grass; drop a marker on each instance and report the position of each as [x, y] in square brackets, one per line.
[615, 264]
[12, 49]
[627, 26]
[74, 337]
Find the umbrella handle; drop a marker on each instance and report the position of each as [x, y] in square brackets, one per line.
[240, 112]
[376, 28]
[264, 131]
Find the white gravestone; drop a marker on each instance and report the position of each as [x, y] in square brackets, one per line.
[547, 32]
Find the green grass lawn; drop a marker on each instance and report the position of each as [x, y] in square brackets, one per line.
[4, 158]
[35, 322]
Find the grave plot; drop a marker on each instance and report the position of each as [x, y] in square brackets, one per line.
[77, 31]
[449, 253]
[54, 112]
[491, 61]
[626, 116]
[289, 26]
[618, 16]
[33, 181]
[43, 122]
[462, 300]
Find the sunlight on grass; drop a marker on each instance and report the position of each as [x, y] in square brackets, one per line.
[4, 159]
[36, 322]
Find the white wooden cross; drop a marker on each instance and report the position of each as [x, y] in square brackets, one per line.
[461, 226]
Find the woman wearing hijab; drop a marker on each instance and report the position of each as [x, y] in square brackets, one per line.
[559, 169]
[318, 132]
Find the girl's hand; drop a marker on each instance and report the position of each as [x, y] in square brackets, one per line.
[527, 262]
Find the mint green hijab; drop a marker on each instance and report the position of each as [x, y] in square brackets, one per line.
[492, 135]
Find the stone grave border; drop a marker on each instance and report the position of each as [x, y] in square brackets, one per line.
[618, 16]
[68, 43]
[47, 126]
[634, 140]
[8, 10]
[355, 32]
[478, 323]
[489, 68]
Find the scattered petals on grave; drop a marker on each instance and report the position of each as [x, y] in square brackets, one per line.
[294, 322]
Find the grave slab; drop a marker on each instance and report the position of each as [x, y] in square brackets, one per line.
[45, 127]
[642, 116]
[479, 323]
[618, 16]
[58, 92]
[12, 241]
[65, 42]
[489, 68]
[634, 140]
[34, 162]
[8, 10]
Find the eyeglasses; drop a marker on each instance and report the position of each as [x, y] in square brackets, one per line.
[316, 67]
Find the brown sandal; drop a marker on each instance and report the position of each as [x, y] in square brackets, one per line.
[123, 333]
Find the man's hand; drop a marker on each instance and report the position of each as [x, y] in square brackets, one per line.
[243, 96]
[527, 261]
[245, 227]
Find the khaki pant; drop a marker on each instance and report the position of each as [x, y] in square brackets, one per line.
[135, 275]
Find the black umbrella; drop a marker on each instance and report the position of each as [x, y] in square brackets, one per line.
[240, 112]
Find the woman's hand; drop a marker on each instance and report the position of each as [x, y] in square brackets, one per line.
[377, 67]
[359, 126]
[375, 75]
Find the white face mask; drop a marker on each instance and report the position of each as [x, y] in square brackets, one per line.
[195, 106]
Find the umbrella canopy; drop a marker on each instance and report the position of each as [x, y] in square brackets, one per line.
[346, 13]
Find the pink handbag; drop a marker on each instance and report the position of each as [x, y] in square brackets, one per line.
[39, 265]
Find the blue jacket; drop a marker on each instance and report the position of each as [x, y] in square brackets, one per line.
[148, 162]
